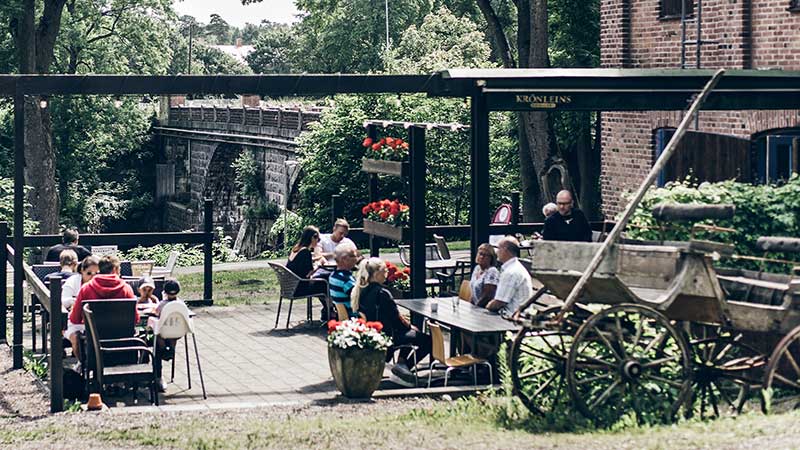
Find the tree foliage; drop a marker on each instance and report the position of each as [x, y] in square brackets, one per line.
[275, 50]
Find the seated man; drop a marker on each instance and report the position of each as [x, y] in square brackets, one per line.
[68, 260]
[68, 242]
[569, 224]
[342, 279]
[514, 286]
[105, 285]
[328, 242]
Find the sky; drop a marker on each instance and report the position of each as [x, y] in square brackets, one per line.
[237, 15]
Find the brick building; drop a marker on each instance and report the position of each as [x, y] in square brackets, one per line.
[752, 146]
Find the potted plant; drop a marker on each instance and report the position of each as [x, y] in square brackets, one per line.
[386, 218]
[388, 156]
[398, 280]
[357, 355]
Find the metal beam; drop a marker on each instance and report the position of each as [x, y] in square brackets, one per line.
[122, 239]
[208, 265]
[416, 137]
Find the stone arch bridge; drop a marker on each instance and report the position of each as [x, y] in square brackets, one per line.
[200, 144]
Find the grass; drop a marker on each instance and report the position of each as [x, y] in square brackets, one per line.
[469, 423]
[244, 287]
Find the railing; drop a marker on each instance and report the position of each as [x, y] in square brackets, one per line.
[287, 118]
[50, 299]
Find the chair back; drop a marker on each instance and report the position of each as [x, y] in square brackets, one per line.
[341, 311]
[172, 260]
[287, 280]
[115, 318]
[465, 291]
[125, 269]
[437, 342]
[102, 250]
[441, 244]
[42, 271]
[431, 253]
[174, 321]
[139, 268]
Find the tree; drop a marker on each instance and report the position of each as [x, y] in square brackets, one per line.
[273, 52]
[218, 30]
[543, 164]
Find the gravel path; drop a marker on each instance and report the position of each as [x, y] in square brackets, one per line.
[21, 397]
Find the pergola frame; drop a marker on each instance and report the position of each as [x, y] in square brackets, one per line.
[488, 89]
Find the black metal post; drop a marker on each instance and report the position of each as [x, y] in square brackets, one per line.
[515, 208]
[336, 208]
[416, 137]
[374, 242]
[56, 361]
[19, 217]
[3, 284]
[208, 227]
[479, 211]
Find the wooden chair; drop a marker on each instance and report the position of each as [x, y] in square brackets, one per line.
[132, 374]
[341, 311]
[140, 268]
[289, 283]
[465, 291]
[456, 362]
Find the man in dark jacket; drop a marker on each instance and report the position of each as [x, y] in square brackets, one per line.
[69, 242]
[569, 224]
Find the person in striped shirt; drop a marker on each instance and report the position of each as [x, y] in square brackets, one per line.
[342, 279]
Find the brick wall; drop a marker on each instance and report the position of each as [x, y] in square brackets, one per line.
[748, 33]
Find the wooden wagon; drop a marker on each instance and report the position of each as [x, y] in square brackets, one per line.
[656, 329]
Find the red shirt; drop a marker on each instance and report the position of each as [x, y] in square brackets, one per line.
[106, 286]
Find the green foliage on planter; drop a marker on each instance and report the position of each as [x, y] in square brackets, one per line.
[761, 210]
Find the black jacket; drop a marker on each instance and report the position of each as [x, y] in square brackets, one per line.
[377, 303]
[574, 227]
[55, 251]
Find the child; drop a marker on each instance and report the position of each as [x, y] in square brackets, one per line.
[165, 348]
[146, 288]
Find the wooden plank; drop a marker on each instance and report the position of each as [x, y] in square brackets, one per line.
[453, 391]
[165, 180]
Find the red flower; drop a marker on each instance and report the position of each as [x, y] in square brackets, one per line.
[398, 141]
[403, 208]
[377, 326]
[332, 324]
[394, 209]
[376, 146]
[382, 141]
[365, 210]
[367, 142]
[384, 215]
[407, 270]
[375, 206]
[389, 140]
[404, 145]
[361, 321]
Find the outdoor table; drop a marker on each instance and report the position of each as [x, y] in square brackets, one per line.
[467, 317]
[441, 264]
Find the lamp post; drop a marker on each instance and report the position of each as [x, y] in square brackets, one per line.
[289, 167]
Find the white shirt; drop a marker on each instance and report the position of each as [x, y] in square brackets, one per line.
[514, 287]
[327, 245]
[69, 290]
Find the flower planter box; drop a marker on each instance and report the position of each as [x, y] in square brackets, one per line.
[383, 230]
[382, 166]
[356, 371]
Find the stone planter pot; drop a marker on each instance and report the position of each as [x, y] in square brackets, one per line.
[357, 371]
[383, 230]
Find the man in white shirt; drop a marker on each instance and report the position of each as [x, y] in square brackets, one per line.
[514, 287]
[328, 242]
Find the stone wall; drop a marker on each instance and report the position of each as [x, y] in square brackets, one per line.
[757, 34]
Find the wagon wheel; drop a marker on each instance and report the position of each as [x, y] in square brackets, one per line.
[537, 361]
[726, 369]
[629, 358]
[781, 390]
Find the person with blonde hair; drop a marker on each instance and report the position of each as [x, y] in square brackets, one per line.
[485, 276]
[370, 297]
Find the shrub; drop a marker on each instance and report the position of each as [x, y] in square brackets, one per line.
[761, 210]
[293, 227]
[189, 255]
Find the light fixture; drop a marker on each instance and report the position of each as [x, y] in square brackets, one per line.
[43, 103]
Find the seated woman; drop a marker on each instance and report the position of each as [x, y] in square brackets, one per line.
[88, 268]
[485, 276]
[371, 298]
[303, 263]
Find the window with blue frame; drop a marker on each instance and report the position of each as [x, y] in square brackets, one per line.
[776, 156]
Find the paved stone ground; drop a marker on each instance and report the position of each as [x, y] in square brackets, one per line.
[245, 360]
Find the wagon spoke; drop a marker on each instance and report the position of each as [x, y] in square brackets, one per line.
[792, 361]
[657, 340]
[787, 381]
[598, 360]
[594, 378]
[658, 362]
[672, 383]
[638, 336]
[605, 394]
[536, 372]
[539, 354]
[607, 343]
[619, 338]
[703, 400]
[724, 395]
[545, 385]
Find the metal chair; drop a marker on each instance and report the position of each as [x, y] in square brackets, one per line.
[174, 323]
[125, 269]
[456, 362]
[433, 279]
[289, 283]
[131, 373]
